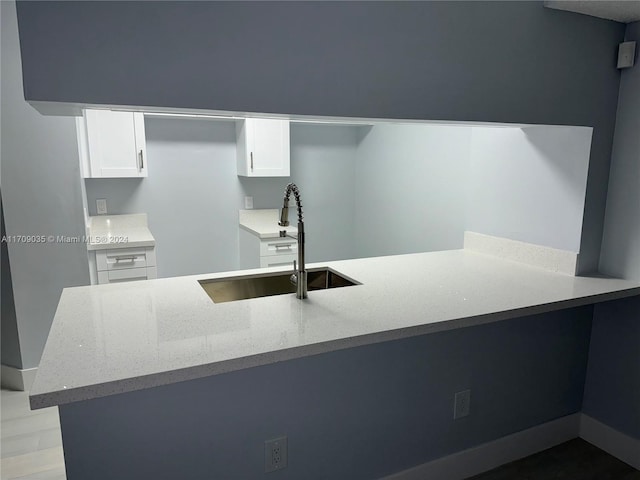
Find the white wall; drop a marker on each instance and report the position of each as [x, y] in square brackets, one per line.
[411, 183]
[323, 166]
[529, 184]
[193, 194]
[190, 197]
[367, 191]
[408, 180]
[41, 196]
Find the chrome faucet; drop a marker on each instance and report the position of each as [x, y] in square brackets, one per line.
[299, 278]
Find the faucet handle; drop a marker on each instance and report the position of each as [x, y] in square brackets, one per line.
[294, 276]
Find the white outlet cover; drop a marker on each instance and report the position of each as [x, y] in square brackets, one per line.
[101, 206]
[248, 203]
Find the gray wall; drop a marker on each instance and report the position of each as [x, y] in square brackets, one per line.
[621, 239]
[10, 348]
[487, 61]
[41, 196]
[612, 390]
[529, 184]
[410, 188]
[360, 413]
[193, 194]
[612, 393]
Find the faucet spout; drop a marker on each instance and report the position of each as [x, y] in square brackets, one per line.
[301, 273]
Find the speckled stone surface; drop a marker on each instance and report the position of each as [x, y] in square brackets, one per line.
[109, 339]
[560, 261]
[119, 231]
[264, 223]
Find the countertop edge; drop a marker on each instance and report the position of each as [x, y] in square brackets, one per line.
[159, 379]
[263, 236]
[111, 246]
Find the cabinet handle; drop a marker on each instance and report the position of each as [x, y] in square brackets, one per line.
[140, 155]
[130, 259]
[281, 245]
[251, 155]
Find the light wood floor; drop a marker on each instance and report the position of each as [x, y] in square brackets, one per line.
[31, 444]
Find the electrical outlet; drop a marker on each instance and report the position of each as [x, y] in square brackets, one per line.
[461, 404]
[248, 203]
[275, 454]
[101, 206]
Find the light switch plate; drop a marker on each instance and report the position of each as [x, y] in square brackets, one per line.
[248, 203]
[101, 206]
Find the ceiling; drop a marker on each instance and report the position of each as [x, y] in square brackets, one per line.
[625, 11]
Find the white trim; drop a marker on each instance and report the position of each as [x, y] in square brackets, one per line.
[16, 379]
[615, 443]
[74, 109]
[559, 261]
[487, 456]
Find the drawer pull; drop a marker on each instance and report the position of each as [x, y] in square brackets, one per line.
[282, 246]
[129, 259]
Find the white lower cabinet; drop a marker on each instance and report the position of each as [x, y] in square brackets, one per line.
[266, 252]
[125, 264]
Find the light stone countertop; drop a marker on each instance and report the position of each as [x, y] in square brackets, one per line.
[119, 231]
[263, 223]
[116, 338]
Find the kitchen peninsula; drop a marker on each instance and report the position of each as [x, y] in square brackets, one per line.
[151, 362]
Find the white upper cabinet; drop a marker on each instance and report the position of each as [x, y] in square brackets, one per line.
[112, 144]
[263, 147]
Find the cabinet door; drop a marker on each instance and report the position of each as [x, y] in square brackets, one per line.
[263, 148]
[115, 144]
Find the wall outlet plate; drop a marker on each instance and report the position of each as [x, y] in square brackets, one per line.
[101, 206]
[275, 454]
[461, 404]
[248, 203]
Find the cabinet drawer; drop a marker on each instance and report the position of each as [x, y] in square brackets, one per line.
[124, 258]
[278, 246]
[124, 275]
[278, 260]
[128, 274]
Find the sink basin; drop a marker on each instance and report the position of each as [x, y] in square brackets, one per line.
[264, 285]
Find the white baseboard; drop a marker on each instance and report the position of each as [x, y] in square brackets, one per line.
[17, 379]
[610, 440]
[487, 456]
[560, 261]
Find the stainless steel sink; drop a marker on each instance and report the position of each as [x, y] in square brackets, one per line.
[241, 288]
